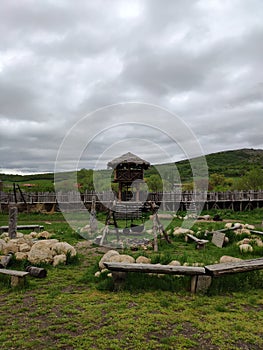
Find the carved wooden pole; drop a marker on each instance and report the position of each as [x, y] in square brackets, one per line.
[12, 227]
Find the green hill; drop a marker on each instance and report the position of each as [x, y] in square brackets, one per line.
[232, 164]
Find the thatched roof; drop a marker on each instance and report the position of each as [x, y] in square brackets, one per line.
[128, 158]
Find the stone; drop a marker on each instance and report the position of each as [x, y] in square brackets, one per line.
[33, 234]
[42, 251]
[21, 256]
[24, 247]
[19, 235]
[2, 243]
[250, 227]
[97, 274]
[244, 241]
[10, 247]
[59, 259]
[245, 231]
[227, 259]
[181, 230]
[44, 234]
[122, 258]
[245, 248]
[4, 235]
[106, 257]
[218, 239]
[143, 260]
[228, 225]
[175, 263]
[63, 248]
[258, 242]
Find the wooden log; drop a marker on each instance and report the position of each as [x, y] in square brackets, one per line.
[230, 268]
[256, 232]
[12, 227]
[159, 269]
[200, 243]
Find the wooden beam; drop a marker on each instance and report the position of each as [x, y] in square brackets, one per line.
[230, 268]
[159, 269]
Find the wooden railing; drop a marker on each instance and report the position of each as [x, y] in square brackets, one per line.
[75, 196]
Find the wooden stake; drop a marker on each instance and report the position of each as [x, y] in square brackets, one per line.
[12, 227]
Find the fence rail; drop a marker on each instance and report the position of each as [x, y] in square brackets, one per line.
[185, 197]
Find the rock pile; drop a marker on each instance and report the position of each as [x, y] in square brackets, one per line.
[36, 250]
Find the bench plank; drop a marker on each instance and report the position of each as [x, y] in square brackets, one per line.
[240, 266]
[151, 268]
[22, 227]
[14, 272]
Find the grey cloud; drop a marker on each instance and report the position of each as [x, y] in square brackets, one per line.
[60, 60]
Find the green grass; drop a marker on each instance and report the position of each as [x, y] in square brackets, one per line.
[71, 309]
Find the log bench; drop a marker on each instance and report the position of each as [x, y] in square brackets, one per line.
[200, 243]
[218, 270]
[121, 269]
[201, 277]
[22, 227]
[17, 277]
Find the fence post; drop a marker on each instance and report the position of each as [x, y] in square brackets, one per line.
[12, 227]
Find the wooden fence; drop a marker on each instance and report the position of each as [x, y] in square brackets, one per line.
[168, 197]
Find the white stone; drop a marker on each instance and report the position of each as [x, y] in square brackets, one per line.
[33, 234]
[21, 256]
[250, 227]
[59, 259]
[245, 231]
[244, 241]
[23, 248]
[244, 248]
[97, 274]
[258, 242]
[10, 247]
[181, 230]
[227, 259]
[106, 257]
[42, 251]
[44, 234]
[122, 258]
[63, 248]
[143, 260]
[19, 235]
[175, 263]
[2, 243]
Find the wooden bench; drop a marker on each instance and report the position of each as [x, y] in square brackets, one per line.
[22, 227]
[17, 277]
[201, 276]
[218, 270]
[124, 268]
[200, 243]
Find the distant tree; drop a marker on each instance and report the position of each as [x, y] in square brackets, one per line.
[218, 182]
[252, 180]
[154, 183]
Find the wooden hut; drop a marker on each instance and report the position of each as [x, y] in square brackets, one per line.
[128, 169]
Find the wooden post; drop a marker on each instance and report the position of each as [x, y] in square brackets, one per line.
[93, 220]
[12, 227]
[155, 233]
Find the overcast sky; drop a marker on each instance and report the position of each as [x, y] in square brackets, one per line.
[61, 60]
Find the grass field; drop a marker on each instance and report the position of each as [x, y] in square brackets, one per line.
[71, 309]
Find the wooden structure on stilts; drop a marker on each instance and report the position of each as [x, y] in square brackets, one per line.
[128, 171]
